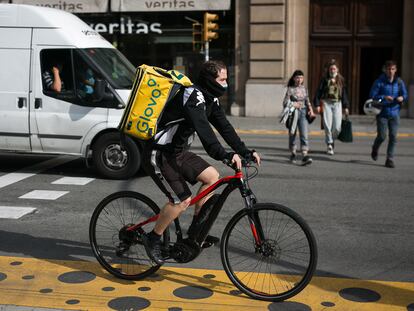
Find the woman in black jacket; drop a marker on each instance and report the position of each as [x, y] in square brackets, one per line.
[331, 98]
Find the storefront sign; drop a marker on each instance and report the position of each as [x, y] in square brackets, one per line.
[126, 26]
[170, 5]
[73, 6]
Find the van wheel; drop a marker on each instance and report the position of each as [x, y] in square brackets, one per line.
[113, 162]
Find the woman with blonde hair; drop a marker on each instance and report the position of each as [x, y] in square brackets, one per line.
[331, 97]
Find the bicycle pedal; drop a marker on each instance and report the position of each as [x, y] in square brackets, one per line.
[206, 244]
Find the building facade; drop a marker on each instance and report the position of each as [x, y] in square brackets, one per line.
[279, 36]
[262, 41]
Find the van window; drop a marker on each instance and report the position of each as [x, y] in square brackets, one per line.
[57, 77]
[69, 75]
[116, 68]
[85, 77]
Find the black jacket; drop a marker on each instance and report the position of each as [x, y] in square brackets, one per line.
[320, 94]
[190, 112]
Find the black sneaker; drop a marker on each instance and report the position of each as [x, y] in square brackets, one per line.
[374, 154]
[153, 249]
[389, 163]
[212, 239]
[306, 160]
[292, 158]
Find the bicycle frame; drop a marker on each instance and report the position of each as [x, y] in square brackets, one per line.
[233, 182]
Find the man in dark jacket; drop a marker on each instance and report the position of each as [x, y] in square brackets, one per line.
[168, 159]
[392, 92]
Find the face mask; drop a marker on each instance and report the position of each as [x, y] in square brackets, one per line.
[225, 86]
[333, 74]
[210, 85]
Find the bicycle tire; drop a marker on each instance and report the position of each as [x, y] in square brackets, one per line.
[281, 261]
[126, 260]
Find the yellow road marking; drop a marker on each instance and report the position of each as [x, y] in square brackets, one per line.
[37, 283]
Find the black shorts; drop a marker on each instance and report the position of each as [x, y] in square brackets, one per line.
[171, 172]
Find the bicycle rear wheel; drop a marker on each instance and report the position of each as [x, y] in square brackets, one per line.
[282, 265]
[119, 251]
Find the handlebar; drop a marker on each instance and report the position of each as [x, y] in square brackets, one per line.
[246, 161]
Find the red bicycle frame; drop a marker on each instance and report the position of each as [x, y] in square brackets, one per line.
[225, 180]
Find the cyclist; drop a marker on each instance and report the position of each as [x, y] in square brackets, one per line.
[169, 162]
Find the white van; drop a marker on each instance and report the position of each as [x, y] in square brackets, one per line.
[82, 118]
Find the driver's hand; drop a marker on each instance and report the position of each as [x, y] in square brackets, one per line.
[236, 160]
[256, 158]
[55, 70]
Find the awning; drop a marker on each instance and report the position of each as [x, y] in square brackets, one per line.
[78, 6]
[171, 5]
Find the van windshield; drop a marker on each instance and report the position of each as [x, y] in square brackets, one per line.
[113, 65]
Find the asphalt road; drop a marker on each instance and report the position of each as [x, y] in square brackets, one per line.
[360, 212]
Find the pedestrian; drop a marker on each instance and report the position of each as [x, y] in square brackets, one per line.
[331, 98]
[391, 91]
[298, 98]
[168, 159]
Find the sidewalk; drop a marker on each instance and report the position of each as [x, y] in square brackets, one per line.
[363, 124]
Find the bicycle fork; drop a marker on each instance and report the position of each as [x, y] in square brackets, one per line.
[253, 217]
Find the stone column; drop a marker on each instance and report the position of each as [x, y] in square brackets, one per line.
[241, 56]
[278, 33]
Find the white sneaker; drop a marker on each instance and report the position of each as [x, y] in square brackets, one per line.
[330, 150]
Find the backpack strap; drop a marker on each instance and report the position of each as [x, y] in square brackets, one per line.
[399, 86]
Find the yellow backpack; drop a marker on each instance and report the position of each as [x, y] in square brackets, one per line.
[153, 88]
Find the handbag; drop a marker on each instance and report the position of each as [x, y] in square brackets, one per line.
[310, 118]
[346, 131]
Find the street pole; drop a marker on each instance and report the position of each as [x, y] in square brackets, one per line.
[206, 47]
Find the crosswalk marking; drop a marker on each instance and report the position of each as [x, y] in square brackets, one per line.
[81, 181]
[15, 212]
[12, 178]
[43, 195]
[30, 171]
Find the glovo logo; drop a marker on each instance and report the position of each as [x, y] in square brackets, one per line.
[143, 125]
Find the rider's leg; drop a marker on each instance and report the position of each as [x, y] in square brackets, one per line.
[167, 215]
[207, 177]
[152, 241]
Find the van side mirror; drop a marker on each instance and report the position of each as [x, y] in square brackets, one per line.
[99, 93]
[104, 96]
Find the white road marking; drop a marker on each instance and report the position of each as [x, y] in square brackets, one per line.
[15, 212]
[30, 171]
[80, 181]
[43, 195]
[12, 178]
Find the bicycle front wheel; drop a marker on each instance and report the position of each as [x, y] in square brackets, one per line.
[282, 265]
[119, 251]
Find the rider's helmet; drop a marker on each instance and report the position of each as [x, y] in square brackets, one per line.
[372, 107]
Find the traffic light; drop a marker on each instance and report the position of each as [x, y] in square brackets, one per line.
[197, 36]
[210, 28]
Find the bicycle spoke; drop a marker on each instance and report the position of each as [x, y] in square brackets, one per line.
[118, 250]
[277, 268]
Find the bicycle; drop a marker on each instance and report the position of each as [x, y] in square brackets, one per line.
[267, 250]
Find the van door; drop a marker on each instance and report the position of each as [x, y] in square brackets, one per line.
[15, 56]
[65, 116]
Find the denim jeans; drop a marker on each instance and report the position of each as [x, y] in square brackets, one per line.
[332, 120]
[303, 132]
[392, 124]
